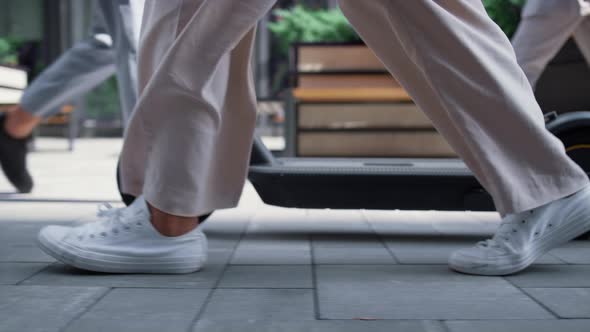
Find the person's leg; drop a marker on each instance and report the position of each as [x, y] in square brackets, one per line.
[122, 19]
[461, 70]
[76, 72]
[193, 126]
[190, 135]
[544, 28]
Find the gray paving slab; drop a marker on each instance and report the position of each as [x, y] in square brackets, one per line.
[437, 249]
[575, 252]
[273, 249]
[227, 224]
[425, 249]
[144, 310]
[280, 256]
[267, 276]
[31, 213]
[418, 292]
[23, 252]
[260, 304]
[43, 309]
[224, 229]
[12, 273]
[565, 302]
[356, 256]
[319, 326]
[431, 223]
[61, 275]
[519, 326]
[337, 222]
[218, 256]
[541, 276]
[350, 249]
[18, 242]
[360, 240]
[275, 220]
[399, 223]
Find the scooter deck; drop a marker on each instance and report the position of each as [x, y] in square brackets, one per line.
[368, 183]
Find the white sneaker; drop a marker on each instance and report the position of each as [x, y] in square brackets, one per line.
[124, 241]
[524, 237]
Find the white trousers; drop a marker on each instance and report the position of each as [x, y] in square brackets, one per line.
[188, 143]
[545, 27]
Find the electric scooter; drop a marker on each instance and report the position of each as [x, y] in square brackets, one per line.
[390, 183]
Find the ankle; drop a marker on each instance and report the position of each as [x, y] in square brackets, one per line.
[170, 225]
[20, 123]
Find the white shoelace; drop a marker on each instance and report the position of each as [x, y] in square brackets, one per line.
[503, 236]
[110, 220]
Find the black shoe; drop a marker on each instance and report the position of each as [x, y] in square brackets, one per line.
[13, 159]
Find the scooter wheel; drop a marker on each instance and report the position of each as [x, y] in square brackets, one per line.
[577, 146]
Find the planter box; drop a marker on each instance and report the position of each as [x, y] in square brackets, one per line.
[13, 81]
[325, 57]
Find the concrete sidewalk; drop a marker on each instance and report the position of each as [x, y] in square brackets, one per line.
[274, 269]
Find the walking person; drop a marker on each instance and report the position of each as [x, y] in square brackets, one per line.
[543, 30]
[191, 132]
[110, 49]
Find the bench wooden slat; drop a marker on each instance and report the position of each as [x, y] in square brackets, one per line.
[344, 95]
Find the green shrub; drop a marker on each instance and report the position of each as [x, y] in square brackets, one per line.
[506, 13]
[300, 24]
[9, 51]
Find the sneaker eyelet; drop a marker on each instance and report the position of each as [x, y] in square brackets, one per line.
[537, 233]
[523, 222]
[138, 223]
[550, 225]
[514, 231]
[103, 234]
[127, 227]
[92, 236]
[115, 231]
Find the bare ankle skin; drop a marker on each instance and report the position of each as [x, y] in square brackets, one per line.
[170, 225]
[20, 123]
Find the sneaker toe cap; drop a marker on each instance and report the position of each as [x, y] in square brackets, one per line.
[468, 257]
[53, 233]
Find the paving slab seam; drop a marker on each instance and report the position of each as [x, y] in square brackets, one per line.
[27, 262]
[314, 280]
[450, 320]
[563, 261]
[154, 287]
[266, 265]
[441, 264]
[87, 309]
[226, 266]
[542, 305]
[20, 283]
[554, 287]
[441, 326]
[379, 237]
[287, 288]
[58, 200]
